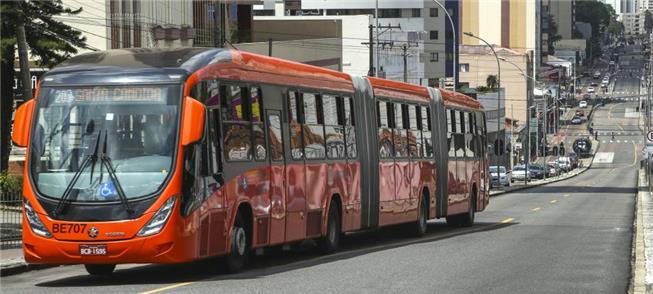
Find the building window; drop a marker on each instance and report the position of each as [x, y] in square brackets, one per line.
[433, 35]
[389, 13]
[435, 56]
[417, 12]
[433, 12]
[464, 67]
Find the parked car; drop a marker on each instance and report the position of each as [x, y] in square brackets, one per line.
[555, 168]
[576, 120]
[537, 171]
[597, 74]
[593, 84]
[519, 173]
[580, 113]
[582, 104]
[500, 176]
[564, 162]
[573, 158]
[590, 89]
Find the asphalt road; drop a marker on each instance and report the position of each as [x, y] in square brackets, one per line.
[572, 236]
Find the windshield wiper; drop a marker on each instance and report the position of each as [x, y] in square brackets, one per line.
[106, 161]
[66, 193]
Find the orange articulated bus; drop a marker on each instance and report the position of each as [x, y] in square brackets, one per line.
[175, 155]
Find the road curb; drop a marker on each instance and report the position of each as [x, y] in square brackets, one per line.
[19, 267]
[638, 264]
[584, 169]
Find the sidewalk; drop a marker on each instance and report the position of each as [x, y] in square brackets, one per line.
[586, 164]
[12, 262]
[642, 252]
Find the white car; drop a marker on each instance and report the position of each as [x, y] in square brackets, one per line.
[502, 178]
[582, 104]
[590, 89]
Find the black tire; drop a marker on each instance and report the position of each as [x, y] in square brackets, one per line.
[467, 219]
[240, 245]
[330, 243]
[100, 269]
[422, 217]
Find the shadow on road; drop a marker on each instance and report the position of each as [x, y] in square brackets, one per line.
[580, 189]
[275, 260]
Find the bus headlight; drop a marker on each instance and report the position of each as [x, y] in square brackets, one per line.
[158, 221]
[35, 222]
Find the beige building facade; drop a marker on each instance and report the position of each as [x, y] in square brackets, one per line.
[507, 23]
[477, 62]
[562, 12]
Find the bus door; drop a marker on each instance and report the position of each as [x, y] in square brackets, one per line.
[295, 172]
[277, 177]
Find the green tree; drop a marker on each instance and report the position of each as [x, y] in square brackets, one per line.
[552, 32]
[648, 21]
[491, 82]
[597, 14]
[615, 27]
[49, 40]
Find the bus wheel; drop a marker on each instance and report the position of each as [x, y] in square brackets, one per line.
[420, 229]
[467, 219]
[237, 258]
[100, 269]
[330, 242]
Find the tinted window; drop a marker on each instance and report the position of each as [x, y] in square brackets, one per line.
[349, 122]
[274, 136]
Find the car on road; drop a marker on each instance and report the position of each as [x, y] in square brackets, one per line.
[576, 120]
[580, 113]
[500, 176]
[593, 84]
[564, 163]
[537, 171]
[597, 74]
[582, 146]
[590, 89]
[552, 170]
[573, 158]
[582, 104]
[519, 174]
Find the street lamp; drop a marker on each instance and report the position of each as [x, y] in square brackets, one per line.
[453, 29]
[498, 86]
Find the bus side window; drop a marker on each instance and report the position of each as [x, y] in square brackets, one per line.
[236, 125]
[334, 131]
[426, 132]
[257, 123]
[385, 132]
[414, 134]
[451, 130]
[349, 123]
[313, 127]
[296, 142]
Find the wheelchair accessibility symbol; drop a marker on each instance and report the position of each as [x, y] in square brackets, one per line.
[107, 190]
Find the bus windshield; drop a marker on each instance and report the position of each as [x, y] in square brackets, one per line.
[134, 127]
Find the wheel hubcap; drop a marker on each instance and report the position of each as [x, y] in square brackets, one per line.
[240, 240]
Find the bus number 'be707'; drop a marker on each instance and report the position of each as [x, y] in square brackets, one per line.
[68, 228]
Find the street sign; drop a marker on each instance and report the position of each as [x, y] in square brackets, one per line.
[649, 136]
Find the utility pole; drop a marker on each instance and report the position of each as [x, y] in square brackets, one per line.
[404, 53]
[372, 70]
[529, 96]
[22, 55]
[270, 47]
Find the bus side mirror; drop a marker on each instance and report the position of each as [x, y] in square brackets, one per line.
[192, 126]
[22, 123]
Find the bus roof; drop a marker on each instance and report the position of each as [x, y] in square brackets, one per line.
[133, 65]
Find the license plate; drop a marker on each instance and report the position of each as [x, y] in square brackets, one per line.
[100, 249]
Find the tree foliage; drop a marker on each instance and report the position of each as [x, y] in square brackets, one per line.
[596, 13]
[491, 82]
[49, 40]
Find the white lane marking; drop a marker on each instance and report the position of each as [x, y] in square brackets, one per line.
[631, 113]
[603, 157]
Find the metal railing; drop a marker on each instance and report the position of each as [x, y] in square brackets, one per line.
[10, 219]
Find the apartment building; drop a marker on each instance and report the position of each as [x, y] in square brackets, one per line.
[417, 24]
